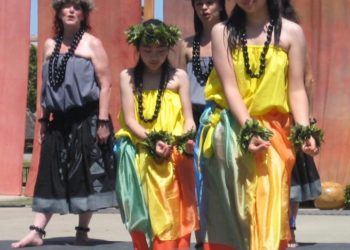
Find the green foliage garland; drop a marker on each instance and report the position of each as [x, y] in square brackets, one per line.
[161, 34]
[299, 134]
[175, 141]
[152, 138]
[252, 128]
[181, 140]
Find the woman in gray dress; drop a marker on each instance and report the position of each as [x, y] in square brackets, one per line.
[76, 170]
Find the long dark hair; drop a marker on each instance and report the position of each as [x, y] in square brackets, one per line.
[57, 22]
[237, 21]
[288, 11]
[198, 25]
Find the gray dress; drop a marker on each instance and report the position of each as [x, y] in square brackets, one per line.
[76, 174]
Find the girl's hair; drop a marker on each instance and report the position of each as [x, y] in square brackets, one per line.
[198, 25]
[237, 21]
[288, 11]
[57, 23]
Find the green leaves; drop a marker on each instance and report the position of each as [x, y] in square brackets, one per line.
[252, 128]
[347, 197]
[175, 141]
[151, 34]
[32, 79]
[152, 138]
[181, 140]
[299, 134]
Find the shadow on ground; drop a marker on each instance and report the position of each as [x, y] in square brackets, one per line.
[322, 246]
[67, 243]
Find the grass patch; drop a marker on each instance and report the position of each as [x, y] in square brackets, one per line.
[20, 202]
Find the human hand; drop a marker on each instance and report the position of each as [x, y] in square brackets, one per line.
[189, 147]
[103, 133]
[309, 147]
[163, 150]
[257, 144]
[189, 126]
[42, 133]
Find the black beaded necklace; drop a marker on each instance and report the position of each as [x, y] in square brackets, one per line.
[57, 72]
[196, 63]
[161, 88]
[243, 42]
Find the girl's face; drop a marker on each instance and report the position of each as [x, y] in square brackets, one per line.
[229, 5]
[153, 56]
[251, 6]
[208, 10]
[71, 14]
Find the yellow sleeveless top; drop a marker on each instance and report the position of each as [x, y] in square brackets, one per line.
[170, 117]
[269, 92]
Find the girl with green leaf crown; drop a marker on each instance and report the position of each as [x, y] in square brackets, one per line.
[155, 179]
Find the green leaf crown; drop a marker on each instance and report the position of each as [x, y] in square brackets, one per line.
[153, 33]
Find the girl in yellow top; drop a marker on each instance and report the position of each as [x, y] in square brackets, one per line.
[254, 93]
[155, 182]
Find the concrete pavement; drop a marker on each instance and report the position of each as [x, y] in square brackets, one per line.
[107, 227]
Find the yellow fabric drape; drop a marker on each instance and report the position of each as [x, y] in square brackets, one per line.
[172, 214]
[260, 95]
[266, 99]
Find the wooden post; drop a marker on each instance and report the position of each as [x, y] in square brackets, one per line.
[148, 10]
[14, 54]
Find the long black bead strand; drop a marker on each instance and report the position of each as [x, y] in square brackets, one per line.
[196, 63]
[161, 89]
[243, 42]
[57, 72]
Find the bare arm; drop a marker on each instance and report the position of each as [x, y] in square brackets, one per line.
[183, 56]
[224, 67]
[128, 108]
[296, 77]
[101, 65]
[184, 92]
[296, 72]
[309, 85]
[48, 49]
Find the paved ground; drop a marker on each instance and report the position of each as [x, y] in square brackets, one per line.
[314, 230]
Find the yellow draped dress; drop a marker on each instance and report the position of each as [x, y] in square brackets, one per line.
[258, 196]
[167, 186]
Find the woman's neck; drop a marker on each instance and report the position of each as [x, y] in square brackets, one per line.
[152, 72]
[69, 32]
[258, 18]
[206, 33]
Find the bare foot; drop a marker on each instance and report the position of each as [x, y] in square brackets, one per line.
[31, 239]
[81, 238]
[292, 243]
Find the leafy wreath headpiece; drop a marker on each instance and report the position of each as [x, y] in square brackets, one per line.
[153, 32]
